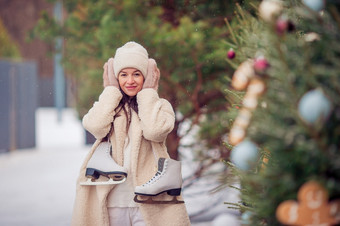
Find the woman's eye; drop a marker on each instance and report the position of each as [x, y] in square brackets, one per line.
[123, 74]
[136, 74]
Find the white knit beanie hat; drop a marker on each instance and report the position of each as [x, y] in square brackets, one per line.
[132, 55]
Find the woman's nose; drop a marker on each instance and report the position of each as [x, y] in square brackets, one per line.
[131, 79]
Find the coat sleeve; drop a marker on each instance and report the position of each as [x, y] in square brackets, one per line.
[157, 115]
[99, 118]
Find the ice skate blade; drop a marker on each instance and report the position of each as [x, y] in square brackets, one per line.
[151, 201]
[109, 182]
[95, 173]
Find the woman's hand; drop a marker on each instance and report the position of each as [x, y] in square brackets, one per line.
[109, 79]
[152, 77]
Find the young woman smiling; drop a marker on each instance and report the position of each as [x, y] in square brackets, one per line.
[136, 121]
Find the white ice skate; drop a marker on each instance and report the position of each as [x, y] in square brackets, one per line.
[167, 179]
[102, 164]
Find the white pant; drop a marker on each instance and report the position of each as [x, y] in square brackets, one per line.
[125, 216]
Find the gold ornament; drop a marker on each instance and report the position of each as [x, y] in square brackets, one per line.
[269, 9]
[242, 75]
[244, 78]
[311, 209]
[236, 135]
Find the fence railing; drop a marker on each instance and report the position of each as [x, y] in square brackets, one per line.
[18, 102]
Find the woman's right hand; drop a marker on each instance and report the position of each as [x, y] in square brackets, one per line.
[109, 79]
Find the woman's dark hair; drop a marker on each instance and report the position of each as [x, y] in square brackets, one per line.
[132, 104]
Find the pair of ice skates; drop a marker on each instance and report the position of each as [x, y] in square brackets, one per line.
[167, 179]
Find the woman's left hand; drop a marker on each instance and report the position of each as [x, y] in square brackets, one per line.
[152, 77]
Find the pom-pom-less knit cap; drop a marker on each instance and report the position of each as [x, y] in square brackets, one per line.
[131, 55]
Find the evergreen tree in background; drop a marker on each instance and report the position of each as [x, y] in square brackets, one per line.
[8, 48]
[186, 38]
[186, 46]
[285, 138]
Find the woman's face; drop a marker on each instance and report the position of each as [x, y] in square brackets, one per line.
[130, 81]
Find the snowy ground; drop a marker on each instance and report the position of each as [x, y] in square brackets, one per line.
[38, 185]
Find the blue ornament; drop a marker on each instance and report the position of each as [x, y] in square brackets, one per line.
[314, 105]
[316, 5]
[246, 217]
[244, 155]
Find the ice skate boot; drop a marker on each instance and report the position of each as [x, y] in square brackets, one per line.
[102, 164]
[167, 179]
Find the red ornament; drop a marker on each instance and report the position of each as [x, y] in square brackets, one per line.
[231, 54]
[283, 25]
[261, 65]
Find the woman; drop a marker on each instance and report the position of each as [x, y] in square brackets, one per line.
[140, 123]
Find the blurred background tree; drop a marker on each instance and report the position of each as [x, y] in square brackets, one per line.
[288, 135]
[8, 48]
[184, 37]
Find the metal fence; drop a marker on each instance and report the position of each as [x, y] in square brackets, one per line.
[18, 102]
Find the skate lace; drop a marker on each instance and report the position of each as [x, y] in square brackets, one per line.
[108, 150]
[156, 177]
[153, 179]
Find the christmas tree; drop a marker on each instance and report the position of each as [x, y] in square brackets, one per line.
[285, 138]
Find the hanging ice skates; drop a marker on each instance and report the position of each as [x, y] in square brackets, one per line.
[102, 164]
[167, 179]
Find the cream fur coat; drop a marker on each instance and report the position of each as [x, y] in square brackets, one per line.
[150, 128]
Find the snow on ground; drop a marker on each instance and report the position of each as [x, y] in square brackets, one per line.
[50, 133]
[203, 205]
[38, 185]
